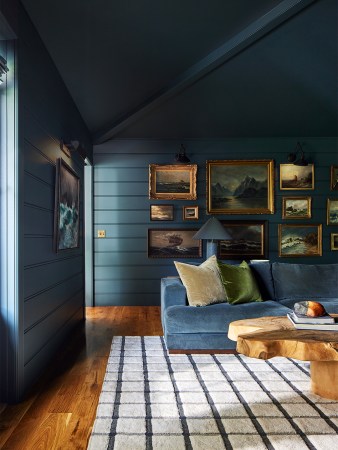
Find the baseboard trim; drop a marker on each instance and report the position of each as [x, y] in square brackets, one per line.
[202, 352]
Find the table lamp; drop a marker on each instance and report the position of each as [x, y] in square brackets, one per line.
[212, 231]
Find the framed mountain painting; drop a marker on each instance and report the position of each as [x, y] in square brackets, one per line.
[240, 187]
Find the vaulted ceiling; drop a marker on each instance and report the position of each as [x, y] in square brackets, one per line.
[190, 68]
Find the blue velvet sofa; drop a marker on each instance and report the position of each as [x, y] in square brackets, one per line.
[205, 328]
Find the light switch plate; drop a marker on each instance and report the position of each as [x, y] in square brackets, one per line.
[101, 233]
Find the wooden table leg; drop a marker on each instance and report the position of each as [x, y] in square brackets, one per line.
[324, 379]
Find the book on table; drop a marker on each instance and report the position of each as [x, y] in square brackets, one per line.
[314, 326]
[301, 318]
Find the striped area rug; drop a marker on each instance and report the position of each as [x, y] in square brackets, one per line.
[152, 400]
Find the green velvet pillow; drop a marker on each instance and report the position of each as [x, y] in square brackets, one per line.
[239, 283]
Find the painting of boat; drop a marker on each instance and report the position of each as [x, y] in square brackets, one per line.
[173, 243]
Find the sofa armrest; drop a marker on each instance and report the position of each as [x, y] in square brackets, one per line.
[173, 293]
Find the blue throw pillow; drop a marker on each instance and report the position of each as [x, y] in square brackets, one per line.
[262, 271]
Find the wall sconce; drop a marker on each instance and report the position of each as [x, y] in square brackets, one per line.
[181, 157]
[75, 146]
[292, 157]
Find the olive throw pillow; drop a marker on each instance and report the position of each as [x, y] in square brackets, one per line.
[203, 283]
[239, 283]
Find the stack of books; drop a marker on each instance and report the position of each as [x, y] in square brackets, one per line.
[321, 323]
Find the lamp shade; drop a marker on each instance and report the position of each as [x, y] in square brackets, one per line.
[212, 230]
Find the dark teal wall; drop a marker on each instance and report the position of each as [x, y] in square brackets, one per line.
[123, 273]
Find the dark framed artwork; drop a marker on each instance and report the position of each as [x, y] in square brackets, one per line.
[161, 212]
[296, 208]
[240, 187]
[67, 204]
[174, 243]
[296, 178]
[190, 212]
[300, 240]
[332, 211]
[172, 182]
[249, 240]
[334, 241]
[334, 178]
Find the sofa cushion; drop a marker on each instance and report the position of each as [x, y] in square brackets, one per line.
[305, 281]
[262, 271]
[203, 283]
[239, 283]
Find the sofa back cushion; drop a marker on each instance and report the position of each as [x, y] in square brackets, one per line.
[262, 271]
[301, 281]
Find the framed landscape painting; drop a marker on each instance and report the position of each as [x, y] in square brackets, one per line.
[190, 212]
[172, 182]
[300, 240]
[334, 178]
[296, 208]
[296, 178]
[240, 187]
[249, 240]
[67, 202]
[174, 243]
[161, 212]
[332, 211]
[334, 241]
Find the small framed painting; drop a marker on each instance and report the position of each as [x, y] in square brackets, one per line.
[240, 187]
[174, 243]
[334, 178]
[172, 182]
[249, 240]
[332, 211]
[300, 240]
[296, 178]
[334, 241]
[190, 212]
[296, 208]
[161, 212]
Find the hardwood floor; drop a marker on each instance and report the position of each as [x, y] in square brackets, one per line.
[59, 411]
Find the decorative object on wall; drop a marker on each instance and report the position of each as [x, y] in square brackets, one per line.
[67, 208]
[296, 208]
[334, 178]
[297, 178]
[334, 241]
[75, 146]
[161, 212]
[300, 240]
[212, 231]
[172, 182]
[247, 240]
[190, 212]
[332, 211]
[240, 187]
[292, 157]
[173, 243]
[181, 157]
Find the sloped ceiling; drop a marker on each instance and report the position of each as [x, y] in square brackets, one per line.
[116, 56]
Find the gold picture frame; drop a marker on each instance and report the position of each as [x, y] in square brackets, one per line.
[334, 241]
[240, 187]
[332, 211]
[296, 178]
[296, 207]
[190, 212]
[172, 181]
[299, 240]
[334, 178]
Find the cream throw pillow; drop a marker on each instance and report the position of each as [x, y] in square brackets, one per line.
[203, 283]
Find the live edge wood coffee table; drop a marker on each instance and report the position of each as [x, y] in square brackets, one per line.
[267, 337]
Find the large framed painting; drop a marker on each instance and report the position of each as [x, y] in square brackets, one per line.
[67, 208]
[296, 178]
[332, 211]
[240, 187]
[296, 208]
[334, 178]
[172, 182]
[174, 243]
[300, 240]
[249, 240]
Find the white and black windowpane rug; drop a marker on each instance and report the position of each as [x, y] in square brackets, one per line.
[152, 400]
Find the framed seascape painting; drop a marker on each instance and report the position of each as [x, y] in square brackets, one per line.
[334, 178]
[190, 212]
[161, 212]
[172, 182]
[296, 208]
[332, 211]
[173, 243]
[249, 240]
[240, 187]
[300, 240]
[334, 241]
[67, 202]
[296, 178]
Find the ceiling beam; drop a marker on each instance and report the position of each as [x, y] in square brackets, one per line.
[256, 30]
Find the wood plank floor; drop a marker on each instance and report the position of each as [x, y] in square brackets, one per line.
[59, 411]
